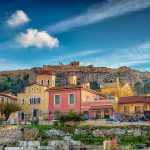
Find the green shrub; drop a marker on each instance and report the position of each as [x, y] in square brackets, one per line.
[88, 139]
[1, 121]
[55, 123]
[8, 108]
[71, 116]
[129, 138]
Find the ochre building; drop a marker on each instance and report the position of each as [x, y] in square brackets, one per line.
[134, 105]
[116, 90]
[34, 100]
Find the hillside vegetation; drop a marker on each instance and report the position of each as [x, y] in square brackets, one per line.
[15, 81]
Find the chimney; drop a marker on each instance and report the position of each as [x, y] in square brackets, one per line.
[86, 85]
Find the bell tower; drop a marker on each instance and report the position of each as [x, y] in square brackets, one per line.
[72, 79]
[46, 78]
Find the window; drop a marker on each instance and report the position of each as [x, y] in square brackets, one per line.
[137, 109]
[38, 100]
[71, 99]
[126, 109]
[48, 82]
[57, 100]
[2, 99]
[42, 82]
[22, 101]
[34, 100]
[110, 97]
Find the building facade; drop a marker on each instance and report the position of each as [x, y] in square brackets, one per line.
[134, 105]
[78, 98]
[34, 100]
[116, 90]
[8, 98]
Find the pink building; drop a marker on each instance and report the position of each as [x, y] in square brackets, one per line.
[78, 98]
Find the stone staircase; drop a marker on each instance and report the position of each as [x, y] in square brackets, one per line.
[53, 145]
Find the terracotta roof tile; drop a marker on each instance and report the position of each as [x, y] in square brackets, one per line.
[70, 86]
[135, 99]
[9, 96]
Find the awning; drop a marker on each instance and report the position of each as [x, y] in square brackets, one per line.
[102, 107]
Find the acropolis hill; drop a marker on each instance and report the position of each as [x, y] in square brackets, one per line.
[84, 73]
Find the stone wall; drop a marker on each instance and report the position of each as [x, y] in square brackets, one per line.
[101, 123]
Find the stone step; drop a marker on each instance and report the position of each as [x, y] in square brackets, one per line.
[29, 143]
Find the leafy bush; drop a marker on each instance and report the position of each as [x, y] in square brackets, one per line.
[55, 123]
[71, 116]
[8, 108]
[1, 121]
[88, 139]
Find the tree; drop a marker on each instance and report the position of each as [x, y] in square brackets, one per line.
[138, 86]
[146, 88]
[16, 85]
[8, 108]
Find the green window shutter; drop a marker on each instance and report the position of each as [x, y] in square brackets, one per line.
[72, 99]
[57, 99]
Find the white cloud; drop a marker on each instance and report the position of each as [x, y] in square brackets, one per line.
[17, 19]
[139, 54]
[112, 8]
[36, 38]
[74, 55]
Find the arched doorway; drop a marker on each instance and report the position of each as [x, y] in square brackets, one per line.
[22, 116]
[34, 112]
[42, 82]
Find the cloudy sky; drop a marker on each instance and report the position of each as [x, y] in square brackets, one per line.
[110, 33]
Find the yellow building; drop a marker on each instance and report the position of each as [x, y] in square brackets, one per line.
[116, 90]
[134, 105]
[34, 100]
[72, 79]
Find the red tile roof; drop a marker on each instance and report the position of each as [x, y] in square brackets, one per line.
[46, 72]
[72, 86]
[69, 86]
[13, 97]
[135, 99]
[100, 104]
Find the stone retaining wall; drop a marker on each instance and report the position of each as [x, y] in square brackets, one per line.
[54, 145]
[102, 123]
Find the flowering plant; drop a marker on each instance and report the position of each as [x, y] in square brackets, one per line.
[114, 145]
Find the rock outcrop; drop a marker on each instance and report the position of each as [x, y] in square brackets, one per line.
[84, 73]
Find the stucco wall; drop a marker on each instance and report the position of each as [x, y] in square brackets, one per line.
[89, 96]
[132, 107]
[64, 101]
[34, 91]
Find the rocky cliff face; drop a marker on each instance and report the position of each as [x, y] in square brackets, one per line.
[84, 73]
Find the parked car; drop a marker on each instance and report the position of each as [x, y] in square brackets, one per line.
[55, 119]
[111, 120]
